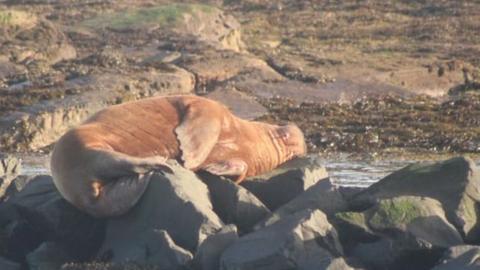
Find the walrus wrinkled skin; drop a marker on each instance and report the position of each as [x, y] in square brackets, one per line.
[103, 166]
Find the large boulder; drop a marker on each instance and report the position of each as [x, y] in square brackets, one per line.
[209, 252]
[462, 257]
[10, 168]
[204, 22]
[233, 203]
[281, 185]
[47, 256]
[157, 248]
[322, 195]
[395, 231]
[9, 265]
[290, 243]
[177, 203]
[38, 213]
[455, 183]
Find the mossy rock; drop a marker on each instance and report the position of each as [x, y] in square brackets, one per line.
[420, 217]
[395, 212]
[12, 18]
[164, 15]
[454, 183]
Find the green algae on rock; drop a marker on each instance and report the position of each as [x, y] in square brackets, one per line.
[454, 183]
[164, 15]
[394, 213]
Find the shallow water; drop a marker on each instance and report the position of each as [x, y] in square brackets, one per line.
[342, 170]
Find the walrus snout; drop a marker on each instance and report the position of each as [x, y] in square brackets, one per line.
[293, 138]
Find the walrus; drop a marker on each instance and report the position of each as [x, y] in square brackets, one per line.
[103, 165]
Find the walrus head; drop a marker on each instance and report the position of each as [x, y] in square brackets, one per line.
[292, 139]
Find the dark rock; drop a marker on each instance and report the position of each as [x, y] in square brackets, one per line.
[329, 264]
[163, 252]
[38, 214]
[455, 183]
[10, 168]
[177, 203]
[460, 258]
[287, 244]
[209, 252]
[401, 233]
[398, 254]
[233, 203]
[338, 264]
[353, 229]
[8, 265]
[157, 248]
[421, 217]
[348, 191]
[47, 256]
[18, 184]
[292, 178]
[322, 195]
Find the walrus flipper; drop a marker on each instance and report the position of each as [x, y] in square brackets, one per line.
[197, 134]
[120, 181]
[231, 167]
[118, 196]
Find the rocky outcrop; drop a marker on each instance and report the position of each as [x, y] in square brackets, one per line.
[286, 182]
[179, 224]
[27, 38]
[455, 183]
[38, 214]
[9, 265]
[293, 242]
[322, 195]
[49, 255]
[9, 169]
[462, 257]
[233, 203]
[394, 231]
[209, 252]
[241, 104]
[177, 203]
[41, 124]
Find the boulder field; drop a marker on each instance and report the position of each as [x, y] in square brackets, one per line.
[424, 216]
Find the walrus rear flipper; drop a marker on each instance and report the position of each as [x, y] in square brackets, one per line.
[118, 196]
[122, 180]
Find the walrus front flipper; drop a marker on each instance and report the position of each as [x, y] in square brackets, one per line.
[118, 196]
[197, 134]
[231, 167]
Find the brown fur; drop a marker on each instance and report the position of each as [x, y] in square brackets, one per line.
[100, 162]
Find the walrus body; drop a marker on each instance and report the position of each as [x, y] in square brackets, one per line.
[99, 165]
